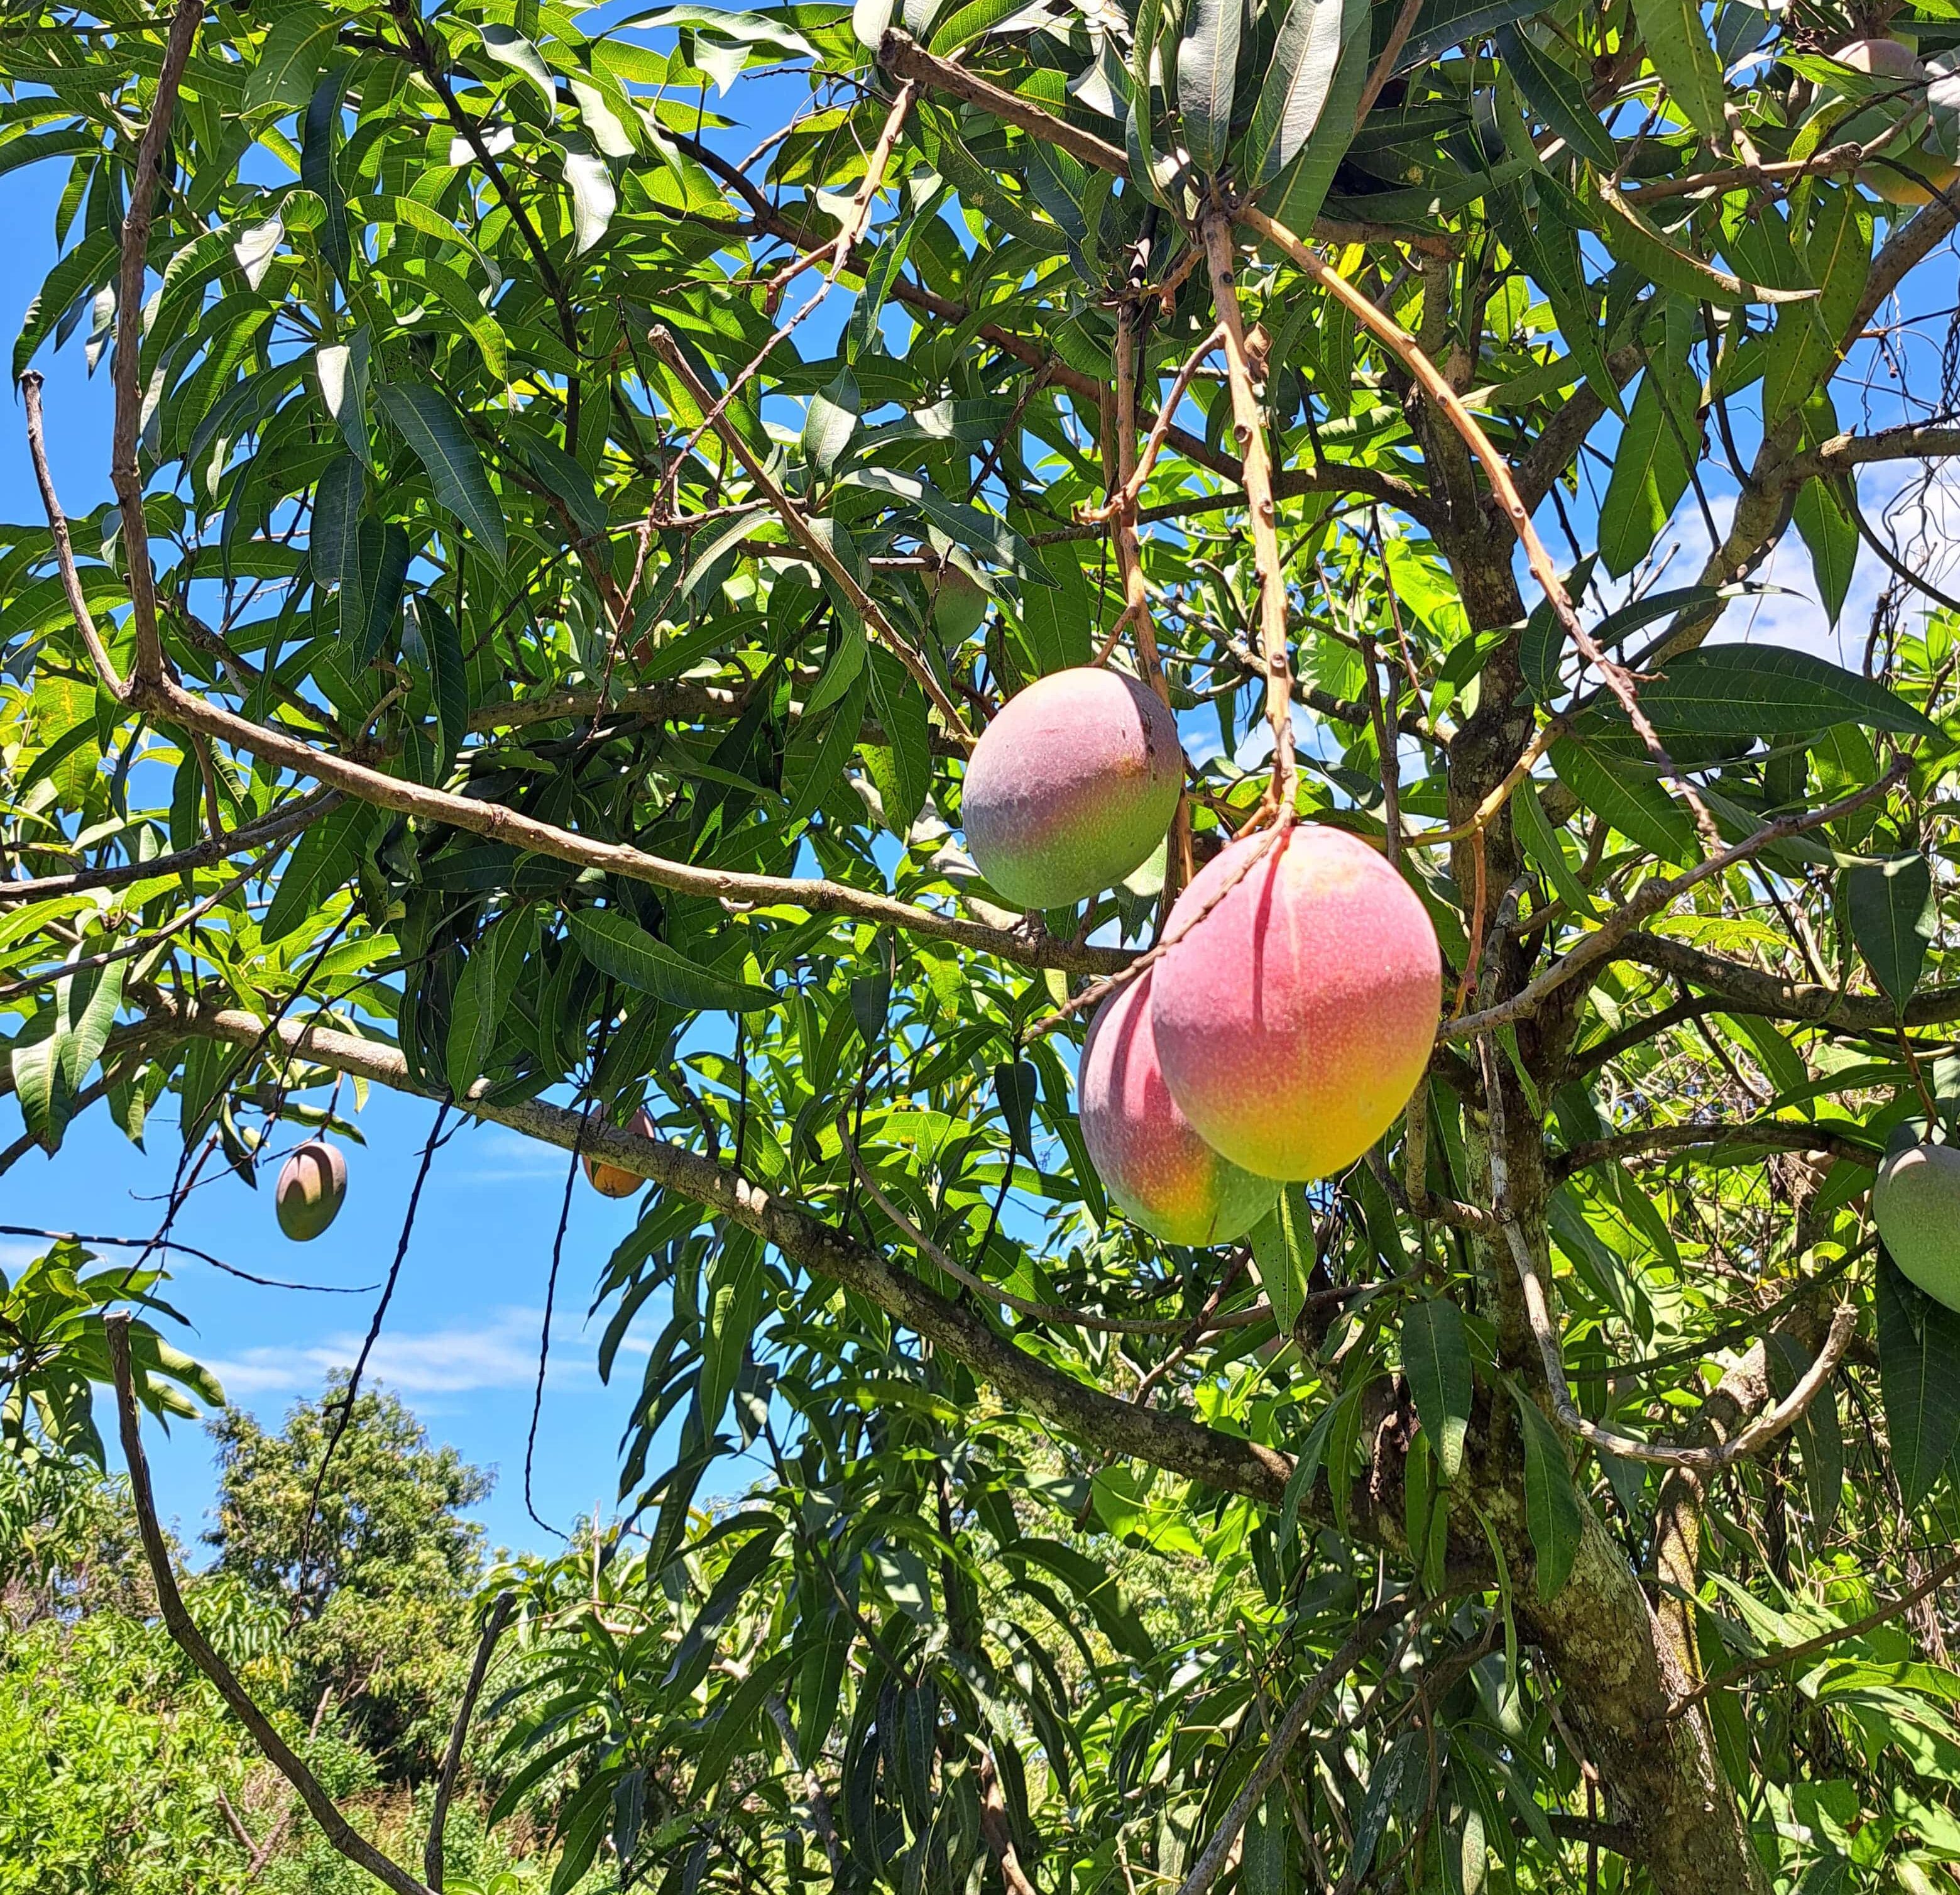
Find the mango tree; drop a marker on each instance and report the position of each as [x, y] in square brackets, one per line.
[583, 489]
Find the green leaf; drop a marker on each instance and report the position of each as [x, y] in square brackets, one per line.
[1626, 791]
[483, 998]
[290, 60]
[1305, 58]
[335, 543]
[509, 47]
[1282, 1256]
[618, 946]
[1650, 477]
[1436, 1358]
[448, 681]
[1830, 535]
[1774, 693]
[593, 198]
[1057, 619]
[1894, 919]
[1016, 1085]
[342, 370]
[1557, 96]
[1919, 1379]
[429, 425]
[328, 852]
[370, 595]
[1206, 64]
[1684, 56]
[1551, 1508]
[831, 421]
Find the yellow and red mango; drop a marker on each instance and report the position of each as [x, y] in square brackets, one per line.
[1161, 1173]
[1916, 1205]
[610, 1181]
[312, 1187]
[1071, 787]
[1294, 1020]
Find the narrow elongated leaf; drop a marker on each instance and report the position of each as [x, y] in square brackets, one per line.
[1283, 1258]
[1772, 692]
[1894, 917]
[832, 421]
[1297, 82]
[1919, 1379]
[1206, 64]
[429, 425]
[1551, 1508]
[1830, 535]
[1684, 56]
[1436, 1358]
[335, 543]
[1557, 95]
[593, 198]
[622, 947]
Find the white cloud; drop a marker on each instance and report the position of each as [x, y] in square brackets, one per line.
[499, 1156]
[460, 1358]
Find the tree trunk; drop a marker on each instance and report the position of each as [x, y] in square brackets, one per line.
[1617, 1668]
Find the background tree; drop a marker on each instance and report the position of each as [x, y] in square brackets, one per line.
[380, 1569]
[513, 670]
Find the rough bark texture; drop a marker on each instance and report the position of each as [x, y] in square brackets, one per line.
[1619, 1667]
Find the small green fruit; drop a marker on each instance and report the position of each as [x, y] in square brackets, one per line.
[1916, 1203]
[313, 1186]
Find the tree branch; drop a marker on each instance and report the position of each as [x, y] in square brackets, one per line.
[452, 1758]
[341, 1834]
[1181, 1446]
[1787, 1135]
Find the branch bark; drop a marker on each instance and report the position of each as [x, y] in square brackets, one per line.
[341, 1834]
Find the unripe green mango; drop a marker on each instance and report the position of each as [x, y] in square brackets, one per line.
[312, 1187]
[1916, 1204]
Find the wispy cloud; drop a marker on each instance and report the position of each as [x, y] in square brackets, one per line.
[497, 1156]
[499, 1353]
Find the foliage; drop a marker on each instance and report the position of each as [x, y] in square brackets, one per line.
[479, 482]
[383, 1570]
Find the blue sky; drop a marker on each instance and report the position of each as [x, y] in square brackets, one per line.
[461, 1338]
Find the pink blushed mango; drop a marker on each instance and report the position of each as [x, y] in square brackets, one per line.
[1071, 787]
[1161, 1173]
[1294, 1020]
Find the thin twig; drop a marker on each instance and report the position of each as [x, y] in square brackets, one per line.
[186, 1249]
[1790, 1655]
[346, 1404]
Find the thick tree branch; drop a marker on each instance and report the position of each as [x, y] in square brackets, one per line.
[1742, 989]
[341, 1834]
[1705, 1142]
[1169, 1441]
